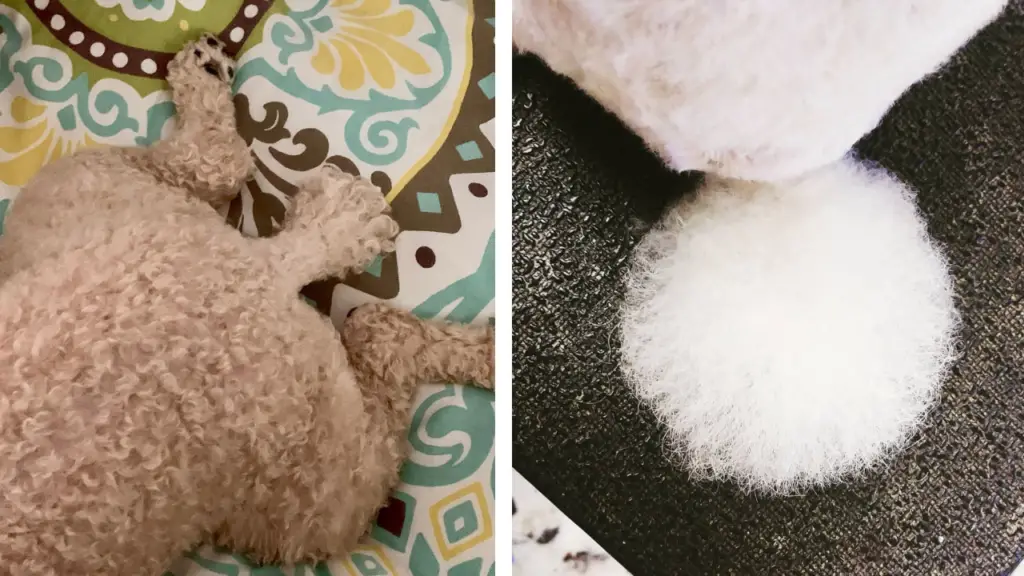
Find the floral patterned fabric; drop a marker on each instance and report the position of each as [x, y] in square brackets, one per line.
[400, 91]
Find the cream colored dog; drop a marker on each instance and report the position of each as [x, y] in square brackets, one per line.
[162, 383]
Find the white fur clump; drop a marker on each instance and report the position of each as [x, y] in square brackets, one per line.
[790, 334]
[759, 90]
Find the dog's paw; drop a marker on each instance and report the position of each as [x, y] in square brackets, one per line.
[359, 198]
[203, 58]
[358, 194]
[344, 209]
[334, 190]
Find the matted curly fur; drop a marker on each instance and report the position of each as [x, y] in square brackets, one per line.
[161, 382]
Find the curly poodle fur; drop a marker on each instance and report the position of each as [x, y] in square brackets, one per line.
[161, 382]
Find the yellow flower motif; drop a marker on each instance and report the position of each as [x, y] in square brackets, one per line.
[368, 42]
[32, 142]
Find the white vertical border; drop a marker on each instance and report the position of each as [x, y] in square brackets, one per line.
[503, 288]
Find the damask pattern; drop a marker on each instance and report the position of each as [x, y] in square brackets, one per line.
[399, 91]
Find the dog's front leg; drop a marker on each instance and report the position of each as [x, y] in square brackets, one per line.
[338, 224]
[205, 155]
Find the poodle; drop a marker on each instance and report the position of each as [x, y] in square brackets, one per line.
[162, 383]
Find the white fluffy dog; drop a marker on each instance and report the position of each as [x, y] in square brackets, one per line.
[791, 327]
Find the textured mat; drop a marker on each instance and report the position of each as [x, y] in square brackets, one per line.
[585, 190]
[400, 91]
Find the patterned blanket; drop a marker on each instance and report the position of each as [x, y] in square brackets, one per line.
[400, 91]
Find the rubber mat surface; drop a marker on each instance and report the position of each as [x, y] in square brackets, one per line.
[585, 191]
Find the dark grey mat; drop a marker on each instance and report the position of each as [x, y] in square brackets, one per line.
[585, 190]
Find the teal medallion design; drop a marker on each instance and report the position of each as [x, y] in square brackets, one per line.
[455, 427]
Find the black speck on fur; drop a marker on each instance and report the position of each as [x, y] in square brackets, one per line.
[580, 561]
[547, 536]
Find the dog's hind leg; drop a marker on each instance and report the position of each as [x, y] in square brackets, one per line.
[205, 155]
[394, 350]
[333, 487]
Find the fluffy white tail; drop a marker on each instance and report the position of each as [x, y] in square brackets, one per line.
[789, 334]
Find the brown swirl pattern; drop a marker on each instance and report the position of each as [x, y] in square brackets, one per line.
[269, 212]
[477, 108]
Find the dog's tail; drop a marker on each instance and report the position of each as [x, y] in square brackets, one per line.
[791, 333]
[402, 350]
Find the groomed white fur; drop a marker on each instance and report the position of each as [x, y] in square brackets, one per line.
[752, 89]
[789, 334]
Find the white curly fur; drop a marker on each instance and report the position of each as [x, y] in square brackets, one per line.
[789, 334]
[762, 89]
